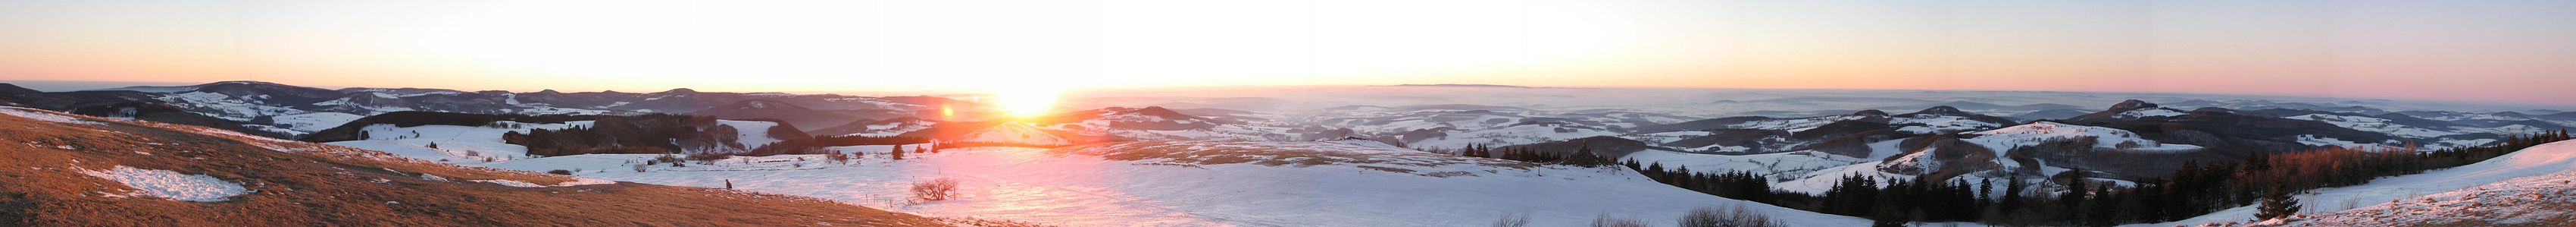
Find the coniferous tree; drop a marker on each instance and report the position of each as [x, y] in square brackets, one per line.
[2012, 196]
[897, 152]
[2103, 208]
[2277, 203]
[1985, 191]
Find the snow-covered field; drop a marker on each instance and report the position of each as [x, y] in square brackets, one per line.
[1313, 184]
[450, 143]
[2004, 139]
[312, 122]
[2540, 160]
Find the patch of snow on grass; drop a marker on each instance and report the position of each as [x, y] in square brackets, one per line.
[172, 185]
[42, 115]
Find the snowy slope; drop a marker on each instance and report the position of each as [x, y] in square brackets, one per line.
[1518, 134]
[1776, 165]
[1796, 124]
[2004, 139]
[2150, 112]
[1200, 184]
[2535, 200]
[456, 144]
[2372, 124]
[2539, 160]
[311, 122]
[1939, 123]
[1014, 133]
[752, 134]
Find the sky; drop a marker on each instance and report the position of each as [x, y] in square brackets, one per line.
[2472, 50]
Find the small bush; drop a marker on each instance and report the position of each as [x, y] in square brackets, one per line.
[709, 157]
[1735, 217]
[935, 189]
[639, 168]
[1509, 220]
[560, 172]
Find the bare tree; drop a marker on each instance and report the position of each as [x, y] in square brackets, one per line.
[935, 189]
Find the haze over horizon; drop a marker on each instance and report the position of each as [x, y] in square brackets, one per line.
[2479, 51]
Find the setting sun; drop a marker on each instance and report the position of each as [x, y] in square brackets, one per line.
[1028, 100]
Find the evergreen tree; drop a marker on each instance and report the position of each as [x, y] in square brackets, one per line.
[1985, 191]
[2012, 196]
[2277, 203]
[898, 152]
[2104, 207]
[1584, 157]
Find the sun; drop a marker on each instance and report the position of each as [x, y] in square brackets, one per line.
[1027, 100]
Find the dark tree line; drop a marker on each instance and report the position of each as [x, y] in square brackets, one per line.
[1742, 185]
[644, 134]
[656, 134]
[1582, 155]
[2266, 179]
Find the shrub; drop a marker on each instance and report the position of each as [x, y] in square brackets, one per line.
[935, 189]
[639, 168]
[1510, 220]
[560, 172]
[837, 156]
[1606, 221]
[1733, 217]
[709, 157]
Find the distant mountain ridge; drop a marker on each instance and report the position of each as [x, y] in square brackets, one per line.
[244, 103]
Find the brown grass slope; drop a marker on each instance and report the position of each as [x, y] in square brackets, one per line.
[305, 184]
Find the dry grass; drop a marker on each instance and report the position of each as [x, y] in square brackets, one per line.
[323, 185]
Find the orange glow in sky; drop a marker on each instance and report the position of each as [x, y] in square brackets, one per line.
[2504, 51]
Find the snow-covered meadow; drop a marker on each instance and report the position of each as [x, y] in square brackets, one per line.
[1342, 184]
